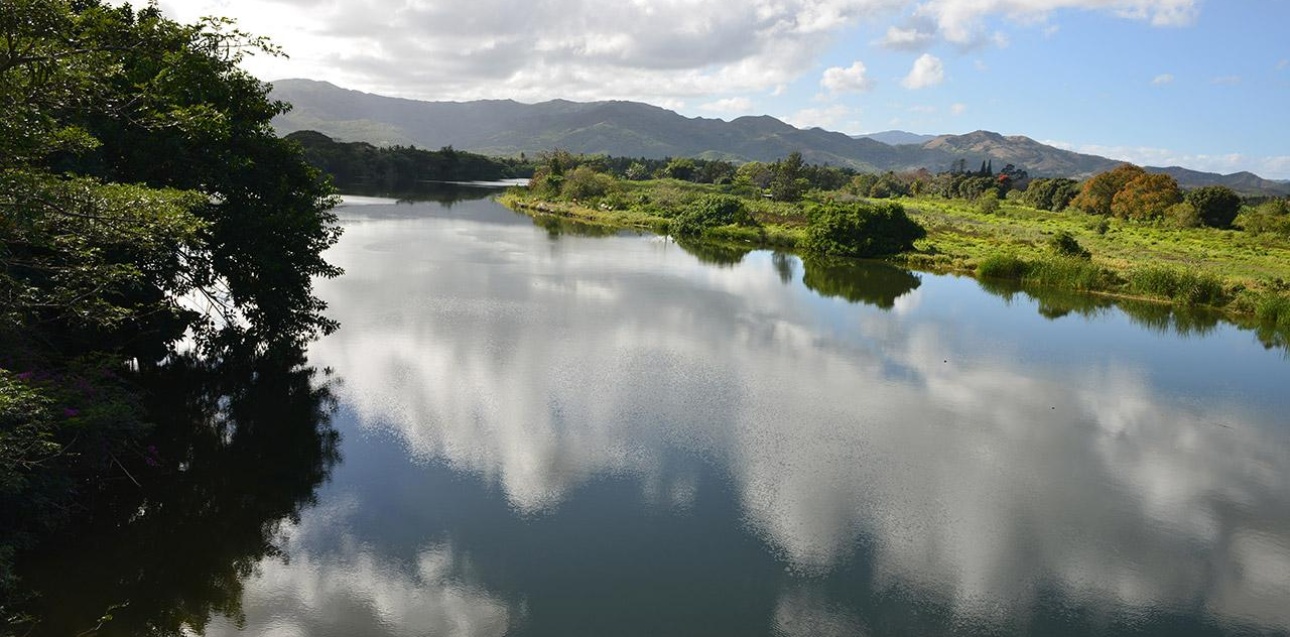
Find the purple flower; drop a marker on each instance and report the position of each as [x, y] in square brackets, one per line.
[26, 375]
[71, 413]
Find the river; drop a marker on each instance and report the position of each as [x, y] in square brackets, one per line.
[548, 429]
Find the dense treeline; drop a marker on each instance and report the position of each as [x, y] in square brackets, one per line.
[362, 167]
[145, 202]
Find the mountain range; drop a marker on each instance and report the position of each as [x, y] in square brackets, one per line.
[633, 129]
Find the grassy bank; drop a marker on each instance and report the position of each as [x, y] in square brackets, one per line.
[1245, 276]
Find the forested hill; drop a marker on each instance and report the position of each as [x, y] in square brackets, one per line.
[362, 167]
[631, 129]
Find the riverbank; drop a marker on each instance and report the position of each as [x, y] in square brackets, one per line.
[1243, 276]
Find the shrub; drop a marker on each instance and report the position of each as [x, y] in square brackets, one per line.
[1259, 222]
[988, 202]
[1099, 225]
[584, 182]
[710, 211]
[1183, 215]
[1064, 244]
[860, 229]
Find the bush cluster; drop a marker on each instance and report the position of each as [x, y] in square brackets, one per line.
[860, 229]
[710, 211]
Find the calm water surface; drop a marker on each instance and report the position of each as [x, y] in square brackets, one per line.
[550, 433]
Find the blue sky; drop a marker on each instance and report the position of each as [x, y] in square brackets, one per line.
[1199, 83]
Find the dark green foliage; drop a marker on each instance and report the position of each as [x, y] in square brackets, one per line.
[710, 211]
[138, 170]
[972, 187]
[1051, 194]
[164, 105]
[1217, 206]
[859, 229]
[1064, 244]
[680, 168]
[788, 180]
[362, 167]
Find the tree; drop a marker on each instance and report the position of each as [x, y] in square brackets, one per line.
[135, 98]
[1051, 194]
[1096, 195]
[680, 168]
[1217, 206]
[1147, 196]
[787, 182]
[758, 174]
[138, 170]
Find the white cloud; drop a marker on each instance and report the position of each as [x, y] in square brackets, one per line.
[588, 50]
[910, 39]
[733, 105]
[849, 80]
[1162, 79]
[1227, 80]
[958, 108]
[828, 118]
[928, 71]
[924, 109]
[574, 49]
[1283, 64]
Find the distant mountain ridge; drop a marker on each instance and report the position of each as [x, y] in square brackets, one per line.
[897, 137]
[633, 129]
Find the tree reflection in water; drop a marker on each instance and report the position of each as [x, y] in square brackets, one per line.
[241, 445]
[869, 282]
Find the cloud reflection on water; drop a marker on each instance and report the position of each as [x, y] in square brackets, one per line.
[970, 470]
[352, 590]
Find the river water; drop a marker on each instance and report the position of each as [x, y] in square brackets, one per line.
[557, 430]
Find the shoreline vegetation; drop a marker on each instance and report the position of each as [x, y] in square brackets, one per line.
[1161, 253]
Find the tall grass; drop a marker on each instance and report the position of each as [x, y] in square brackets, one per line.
[1274, 310]
[1177, 285]
[1067, 272]
[1002, 266]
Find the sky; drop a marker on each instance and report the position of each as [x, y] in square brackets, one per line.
[1203, 84]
